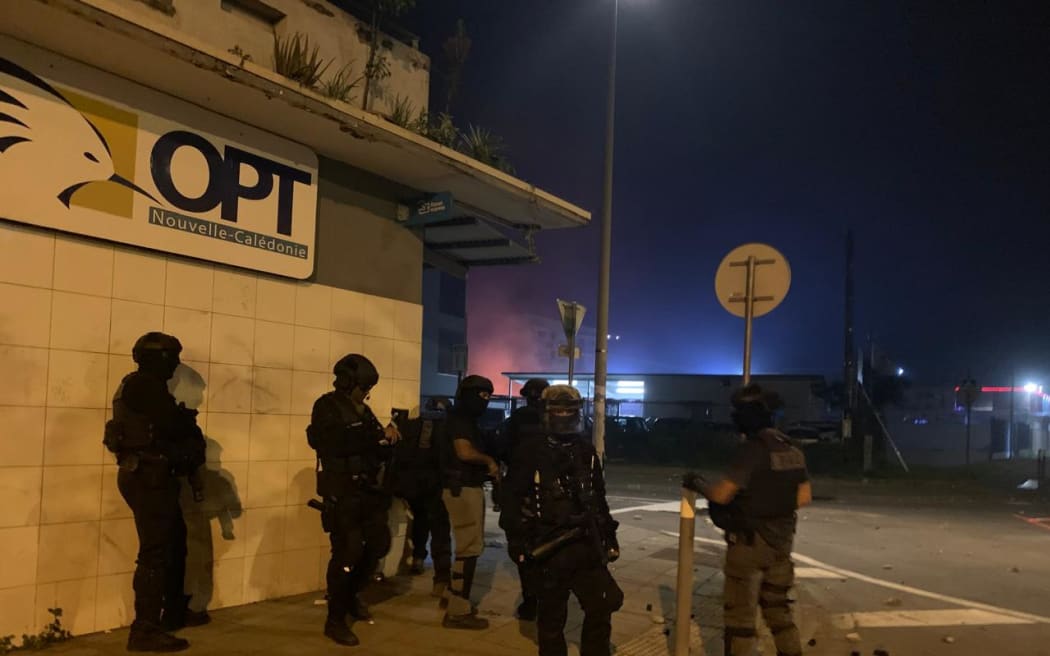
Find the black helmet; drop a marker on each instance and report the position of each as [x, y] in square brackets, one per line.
[157, 353]
[533, 388]
[754, 407]
[353, 371]
[562, 411]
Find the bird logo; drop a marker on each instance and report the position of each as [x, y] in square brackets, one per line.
[48, 149]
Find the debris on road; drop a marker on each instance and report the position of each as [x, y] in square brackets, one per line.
[812, 642]
[880, 652]
[658, 619]
[853, 637]
[949, 640]
[1015, 570]
[636, 517]
[887, 567]
[893, 601]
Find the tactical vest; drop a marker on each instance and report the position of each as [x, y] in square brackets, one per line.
[127, 430]
[773, 491]
[563, 485]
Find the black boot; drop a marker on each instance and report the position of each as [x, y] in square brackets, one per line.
[153, 639]
[337, 630]
[527, 609]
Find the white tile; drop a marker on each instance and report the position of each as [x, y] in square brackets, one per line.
[189, 385]
[266, 484]
[119, 547]
[75, 597]
[138, 275]
[71, 494]
[405, 394]
[343, 344]
[381, 398]
[232, 339]
[265, 528]
[131, 320]
[230, 432]
[73, 436]
[119, 366]
[380, 317]
[228, 580]
[113, 505]
[115, 602]
[29, 387]
[272, 391]
[193, 330]
[17, 611]
[348, 311]
[235, 293]
[302, 528]
[274, 344]
[18, 556]
[311, 349]
[80, 322]
[307, 387]
[302, 481]
[25, 315]
[230, 388]
[77, 379]
[188, 284]
[299, 571]
[269, 437]
[313, 305]
[20, 490]
[67, 551]
[275, 300]
[27, 255]
[83, 266]
[381, 352]
[22, 440]
[262, 577]
[408, 361]
[298, 447]
[408, 322]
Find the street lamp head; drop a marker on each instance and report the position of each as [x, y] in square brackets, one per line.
[1031, 388]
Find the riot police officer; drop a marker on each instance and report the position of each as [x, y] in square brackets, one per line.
[557, 519]
[352, 449]
[465, 468]
[525, 423]
[156, 441]
[755, 504]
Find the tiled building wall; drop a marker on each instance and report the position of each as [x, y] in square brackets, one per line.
[258, 351]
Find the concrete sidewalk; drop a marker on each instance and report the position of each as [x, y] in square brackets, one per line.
[408, 620]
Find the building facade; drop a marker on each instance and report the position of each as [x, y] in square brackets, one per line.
[160, 174]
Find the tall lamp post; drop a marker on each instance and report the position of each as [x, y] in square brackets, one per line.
[601, 350]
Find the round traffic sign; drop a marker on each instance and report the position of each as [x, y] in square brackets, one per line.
[772, 279]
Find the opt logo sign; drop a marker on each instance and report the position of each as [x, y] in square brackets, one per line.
[85, 152]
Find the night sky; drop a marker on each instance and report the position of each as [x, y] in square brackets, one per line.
[923, 125]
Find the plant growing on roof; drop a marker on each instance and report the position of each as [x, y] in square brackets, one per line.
[457, 50]
[402, 113]
[341, 85]
[293, 58]
[484, 146]
[377, 69]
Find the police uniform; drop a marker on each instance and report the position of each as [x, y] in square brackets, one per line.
[351, 451]
[555, 495]
[760, 527]
[525, 424]
[419, 484]
[464, 498]
[156, 441]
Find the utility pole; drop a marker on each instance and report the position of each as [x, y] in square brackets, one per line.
[849, 361]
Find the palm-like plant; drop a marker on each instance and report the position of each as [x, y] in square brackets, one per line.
[293, 58]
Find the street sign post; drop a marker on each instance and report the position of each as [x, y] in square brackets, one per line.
[967, 395]
[752, 281]
[571, 319]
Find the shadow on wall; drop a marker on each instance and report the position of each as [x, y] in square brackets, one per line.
[221, 505]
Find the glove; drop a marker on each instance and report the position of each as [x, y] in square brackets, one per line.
[693, 481]
[517, 551]
[612, 549]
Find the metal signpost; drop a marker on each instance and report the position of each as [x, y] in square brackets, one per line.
[967, 396]
[571, 319]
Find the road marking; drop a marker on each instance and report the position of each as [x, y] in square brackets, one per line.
[849, 574]
[922, 618]
[814, 573]
[668, 506]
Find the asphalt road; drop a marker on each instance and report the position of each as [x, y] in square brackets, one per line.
[906, 566]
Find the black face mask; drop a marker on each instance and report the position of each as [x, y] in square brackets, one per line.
[472, 404]
[159, 364]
